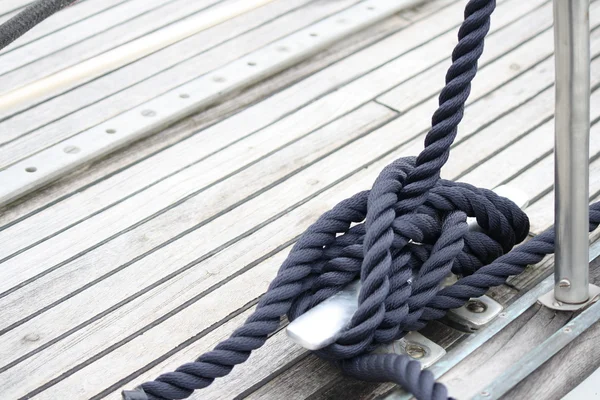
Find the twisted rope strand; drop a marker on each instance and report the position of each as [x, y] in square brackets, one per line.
[401, 238]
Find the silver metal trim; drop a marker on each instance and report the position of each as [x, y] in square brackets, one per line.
[548, 300]
[470, 343]
[416, 346]
[50, 164]
[542, 353]
[571, 154]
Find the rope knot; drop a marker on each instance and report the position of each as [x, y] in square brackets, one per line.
[402, 254]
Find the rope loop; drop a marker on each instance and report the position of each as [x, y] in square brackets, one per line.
[401, 239]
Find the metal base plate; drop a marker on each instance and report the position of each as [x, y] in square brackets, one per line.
[415, 346]
[476, 313]
[550, 301]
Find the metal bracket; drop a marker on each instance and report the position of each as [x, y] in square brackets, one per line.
[550, 301]
[415, 346]
[476, 313]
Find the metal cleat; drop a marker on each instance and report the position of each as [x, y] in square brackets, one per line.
[322, 325]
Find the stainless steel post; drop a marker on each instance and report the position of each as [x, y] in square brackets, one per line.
[572, 131]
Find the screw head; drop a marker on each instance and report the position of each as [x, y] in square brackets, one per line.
[476, 306]
[415, 351]
[564, 283]
[485, 393]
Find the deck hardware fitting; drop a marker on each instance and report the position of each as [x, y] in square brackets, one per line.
[417, 347]
[548, 300]
[475, 314]
[542, 353]
[470, 343]
[572, 290]
[323, 324]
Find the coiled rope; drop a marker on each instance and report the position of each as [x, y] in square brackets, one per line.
[402, 238]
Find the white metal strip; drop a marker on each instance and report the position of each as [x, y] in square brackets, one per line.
[129, 52]
[57, 160]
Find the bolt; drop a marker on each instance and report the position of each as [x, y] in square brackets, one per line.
[485, 393]
[567, 330]
[557, 303]
[415, 351]
[476, 306]
[564, 283]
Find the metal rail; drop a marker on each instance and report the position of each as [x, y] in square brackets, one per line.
[572, 133]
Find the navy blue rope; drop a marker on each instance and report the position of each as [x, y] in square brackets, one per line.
[401, 238]
[35, 13]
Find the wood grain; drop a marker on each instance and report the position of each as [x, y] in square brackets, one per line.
[90, 37]
[68, 16]
[140, 81]
[313, 115]
[131, 346]
[144, 268]
[126, 157]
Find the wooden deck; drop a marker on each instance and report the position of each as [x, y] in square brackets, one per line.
[144, 259]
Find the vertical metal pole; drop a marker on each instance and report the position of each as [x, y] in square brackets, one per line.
[572, 131]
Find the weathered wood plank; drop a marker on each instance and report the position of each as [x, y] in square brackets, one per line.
[8, 6]
[315, 114]
[255, 371]
[246, 252]
[160, 75]
[103, 257]
[525, 151]
[527, 25]
[272, 197]
[90, 37]
[160, 72]
[529, 330]
[68, 16]
[209, 200]
[155, 65]
[284, 162]
[123, 158]
[569, 367]
[507, 347]
[540, 212]
[564, 371]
